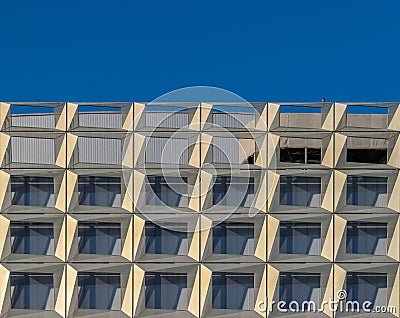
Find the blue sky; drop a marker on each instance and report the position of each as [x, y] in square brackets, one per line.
[137, 50]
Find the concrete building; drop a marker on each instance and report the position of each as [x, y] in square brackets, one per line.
[198, 209]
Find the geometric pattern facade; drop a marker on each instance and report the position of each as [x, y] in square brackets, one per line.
[61, 161]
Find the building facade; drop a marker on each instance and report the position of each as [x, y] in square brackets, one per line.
[198, 209]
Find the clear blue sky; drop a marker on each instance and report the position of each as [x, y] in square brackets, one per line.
[137, 50]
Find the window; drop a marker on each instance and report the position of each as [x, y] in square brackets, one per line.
[32, 238]
[300, 155]
[233, 238]
[363, 287]
[99, 238]
[167, 192]
[366, 238]
[378, 156]
[166, 291]
[32, 191]
[367, 191]
[160, 240]
[299, 287]
[33, 291]
[99, 291]
[300, 238]
[238, 195]
[300, 191]
[233, 291]
[99, 191]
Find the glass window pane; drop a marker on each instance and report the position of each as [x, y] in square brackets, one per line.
[99, 291]
[367, 191]
[366, 238]
[162, 240]
[99, 238]
[233, 238]
[241, 191]
[32, 191]
[233, 291]
[299, 287]
[300, 191]
[300, 238]
[163, 194]
[363, 287]
[99, 191]
[166, 291]
[32, 291]
[32, 238]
